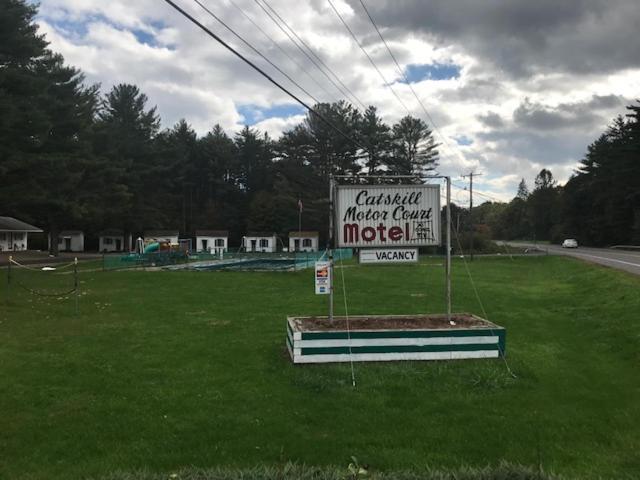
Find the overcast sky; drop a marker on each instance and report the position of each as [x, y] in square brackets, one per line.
[513, 86]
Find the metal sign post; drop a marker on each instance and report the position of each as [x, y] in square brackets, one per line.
[330, 246]
[448, 269]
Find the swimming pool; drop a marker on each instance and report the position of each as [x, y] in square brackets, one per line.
[253, 264]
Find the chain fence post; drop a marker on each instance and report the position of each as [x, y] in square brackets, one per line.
[9, 278]
[75, 281]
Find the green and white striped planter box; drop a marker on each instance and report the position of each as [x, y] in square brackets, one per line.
[306, 345]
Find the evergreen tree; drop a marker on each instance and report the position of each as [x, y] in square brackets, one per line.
[415, 151]
[125, 133]
[328, 152]
[523, 190]
[375, 135]
[46, 117]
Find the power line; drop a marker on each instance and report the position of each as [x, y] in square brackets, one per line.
[255, 50]
[277, 45]
[368, 56]
[311, 52]
[304, 52]
[262, 72]
[404, 76]
[488, 197]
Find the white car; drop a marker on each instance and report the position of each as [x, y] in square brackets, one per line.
[570, 243]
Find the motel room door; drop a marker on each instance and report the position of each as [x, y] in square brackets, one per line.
[296, 245]
[67, 244]
[118, 244]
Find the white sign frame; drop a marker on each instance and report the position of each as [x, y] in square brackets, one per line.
[387, 216]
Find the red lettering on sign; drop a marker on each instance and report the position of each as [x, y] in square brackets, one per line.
[351, 233]
[395, 234]
[368, 234]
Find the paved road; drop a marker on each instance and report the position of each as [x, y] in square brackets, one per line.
[620, 259]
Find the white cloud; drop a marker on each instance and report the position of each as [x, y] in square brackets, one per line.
[188, 75]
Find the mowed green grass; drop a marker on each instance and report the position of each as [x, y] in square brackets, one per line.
[164, 370]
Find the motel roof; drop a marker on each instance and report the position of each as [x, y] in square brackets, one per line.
[70, 232]
[303, 234]
[10, 224]
[261, 234]
[161, 233]
[112, 232]
[212, 233]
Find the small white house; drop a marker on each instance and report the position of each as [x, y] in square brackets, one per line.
[212, 241]
[113, 240]
[303, 241]
[170, 236]
[260, 242]
[13, 234]
[70, 241]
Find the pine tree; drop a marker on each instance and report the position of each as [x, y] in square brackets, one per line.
[415, 151]
[125, 133]
[375, 135]
[45, 126]
[523, 190]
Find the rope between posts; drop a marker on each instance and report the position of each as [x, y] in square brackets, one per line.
[346, 315]
[66, 265]
[41, 294]
[484, 312]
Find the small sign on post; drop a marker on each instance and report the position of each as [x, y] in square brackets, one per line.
[323, 278]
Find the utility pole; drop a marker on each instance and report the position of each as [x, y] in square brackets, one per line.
[471, 175]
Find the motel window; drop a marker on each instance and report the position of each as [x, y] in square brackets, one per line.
[264, 243]
[3, 237]
[306, 242]
[219, 242]
[108, 240]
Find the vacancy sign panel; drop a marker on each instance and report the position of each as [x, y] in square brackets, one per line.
[387, 215]
[389, 255]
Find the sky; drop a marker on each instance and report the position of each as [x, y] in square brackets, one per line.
[510, 87]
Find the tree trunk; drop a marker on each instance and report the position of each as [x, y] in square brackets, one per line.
[126, 244]
[53, 240]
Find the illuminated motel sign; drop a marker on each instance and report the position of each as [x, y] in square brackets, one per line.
[387, 215]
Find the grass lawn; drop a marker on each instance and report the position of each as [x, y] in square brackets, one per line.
[164, 370]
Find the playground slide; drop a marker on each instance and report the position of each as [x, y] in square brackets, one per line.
[152, 247]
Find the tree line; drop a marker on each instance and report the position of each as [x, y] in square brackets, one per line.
[73, 157]
[599, 205]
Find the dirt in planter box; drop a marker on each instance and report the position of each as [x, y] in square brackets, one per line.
[392, 322]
